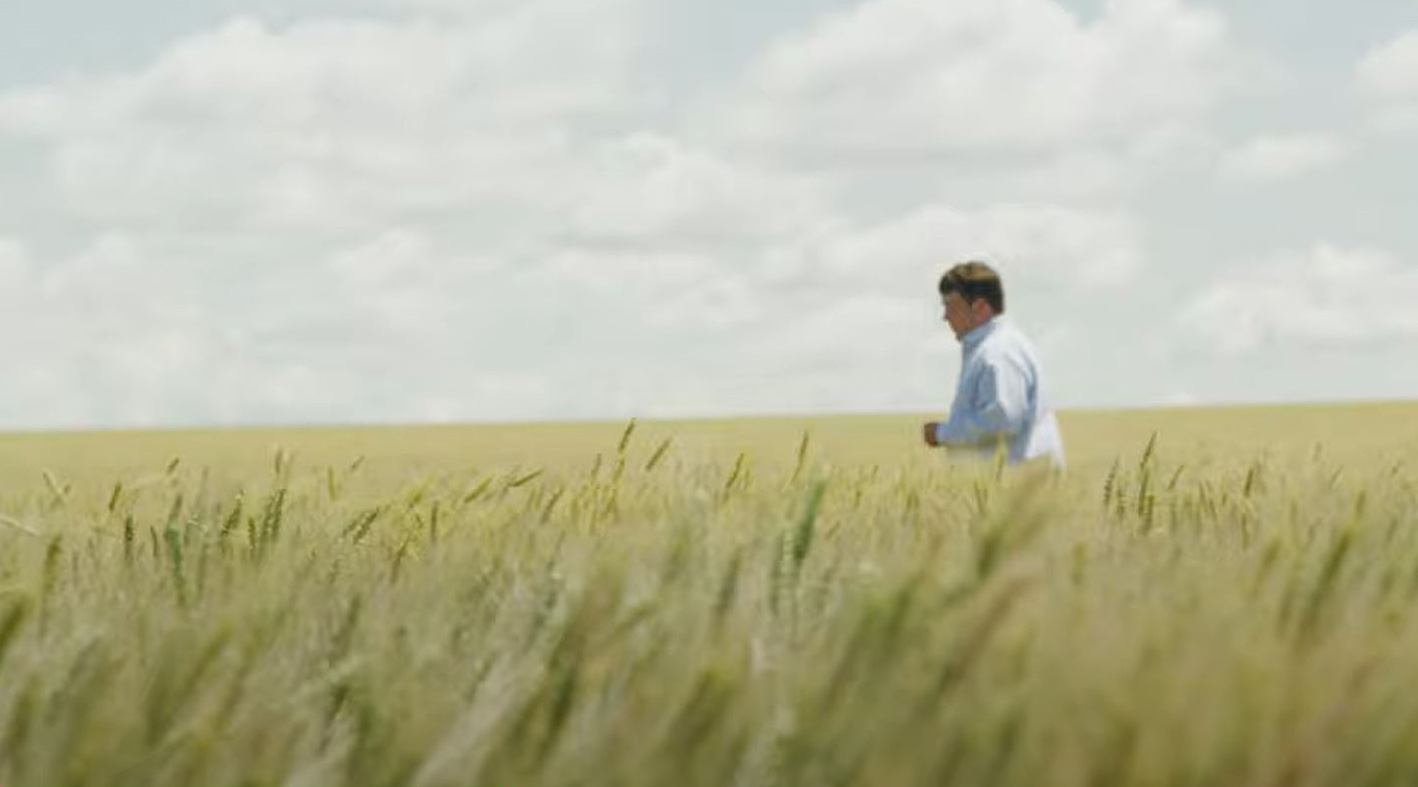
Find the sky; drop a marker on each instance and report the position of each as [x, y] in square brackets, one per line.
[226, 212]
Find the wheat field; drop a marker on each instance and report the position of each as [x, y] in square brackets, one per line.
[1206, 597]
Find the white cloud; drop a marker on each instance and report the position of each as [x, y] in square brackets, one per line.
[756, 291]
[332, 123]
[1328, 296]
[14, 264]
[1388, 77]
[91, 339]
[1046, 245]
[897, 76]
[149, 329]
[142, 329]
[846, 316]
[1396, 118]
[1390, 70]
[465, 211]
[1088, 172]
[650, 188]
[1273, 158]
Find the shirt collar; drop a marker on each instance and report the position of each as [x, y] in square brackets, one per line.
[973, 339]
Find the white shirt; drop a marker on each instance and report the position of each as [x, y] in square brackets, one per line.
[1000, 397]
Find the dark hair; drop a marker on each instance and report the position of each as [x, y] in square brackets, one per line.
[974, 280]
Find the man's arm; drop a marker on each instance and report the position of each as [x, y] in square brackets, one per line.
[998, 410]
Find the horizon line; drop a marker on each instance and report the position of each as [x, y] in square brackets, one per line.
[784, 415]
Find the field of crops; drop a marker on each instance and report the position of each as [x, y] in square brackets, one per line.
[1204, 598]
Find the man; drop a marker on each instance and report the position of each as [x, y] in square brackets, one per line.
[1000, 401]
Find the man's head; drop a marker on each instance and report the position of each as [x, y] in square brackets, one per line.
[972, 295]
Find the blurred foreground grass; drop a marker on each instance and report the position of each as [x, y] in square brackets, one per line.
[714, 603]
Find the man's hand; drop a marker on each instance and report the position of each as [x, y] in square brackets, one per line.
[930, 434]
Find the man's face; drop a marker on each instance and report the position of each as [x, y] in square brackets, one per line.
[961, 315]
